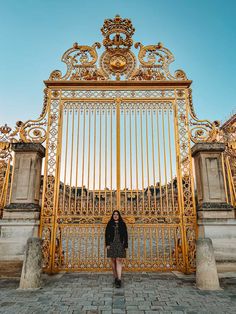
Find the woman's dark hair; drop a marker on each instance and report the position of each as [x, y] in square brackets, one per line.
[120, 218]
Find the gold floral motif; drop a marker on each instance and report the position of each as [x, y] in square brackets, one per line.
[148, 74]
[88, 74]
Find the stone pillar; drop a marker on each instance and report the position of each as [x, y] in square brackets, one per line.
[21, 217]
[216, 218]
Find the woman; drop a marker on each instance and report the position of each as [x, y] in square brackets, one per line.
[116, 243]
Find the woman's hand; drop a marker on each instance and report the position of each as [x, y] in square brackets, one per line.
[108, 247]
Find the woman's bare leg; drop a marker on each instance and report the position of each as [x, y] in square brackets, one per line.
[113, 265]
[119, 267]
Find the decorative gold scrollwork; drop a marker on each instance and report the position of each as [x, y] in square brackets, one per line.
[229, 138]
[71, 220]
[82, 54]
[80, 61]
[34, 130]
[155, 61]
[202, 130]
[27, 132]
[127, 219]
[148, 55]
[180, 75]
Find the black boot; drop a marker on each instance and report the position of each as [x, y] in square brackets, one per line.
[118, 283]
[115, 282]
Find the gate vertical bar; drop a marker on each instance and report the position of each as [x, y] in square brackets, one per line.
[130, 160]
[77, 158]
[88, 177]
[125, 163]
[118, 102]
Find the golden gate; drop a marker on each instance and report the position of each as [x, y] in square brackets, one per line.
[118, 137]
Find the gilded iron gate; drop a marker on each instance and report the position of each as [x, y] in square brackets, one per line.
[118, 137]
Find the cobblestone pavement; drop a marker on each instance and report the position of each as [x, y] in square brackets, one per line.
[140, 293]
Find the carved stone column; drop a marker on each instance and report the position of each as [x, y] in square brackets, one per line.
[21, 217]
[216, 218]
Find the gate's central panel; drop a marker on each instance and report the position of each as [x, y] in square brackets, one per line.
[118, 154]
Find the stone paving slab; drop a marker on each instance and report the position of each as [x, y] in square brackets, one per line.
[93, 293]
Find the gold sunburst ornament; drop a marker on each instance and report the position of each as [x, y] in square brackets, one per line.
[118, 63]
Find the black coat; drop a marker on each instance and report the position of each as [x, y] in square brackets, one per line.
[110, 233]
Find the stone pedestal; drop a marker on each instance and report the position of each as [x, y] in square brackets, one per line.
[216, 218]
[32, 266]
[206, 272]
[21, 217]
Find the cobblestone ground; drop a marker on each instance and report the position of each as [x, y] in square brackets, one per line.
[140, 293]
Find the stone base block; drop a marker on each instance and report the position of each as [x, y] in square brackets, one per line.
[10, 268]
[18, 229]
[223, 235]
[21, 212]
[23, 215]
[226, 267]
[214, 214]
[12, 249]
[13, 237]
[215, 211]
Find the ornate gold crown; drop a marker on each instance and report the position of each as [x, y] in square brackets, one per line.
[119, 27]
[5, 129]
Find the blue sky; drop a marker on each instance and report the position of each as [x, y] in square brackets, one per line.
[34, 34]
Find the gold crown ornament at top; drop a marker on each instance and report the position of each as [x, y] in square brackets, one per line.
[117, 60]
[122, 31]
